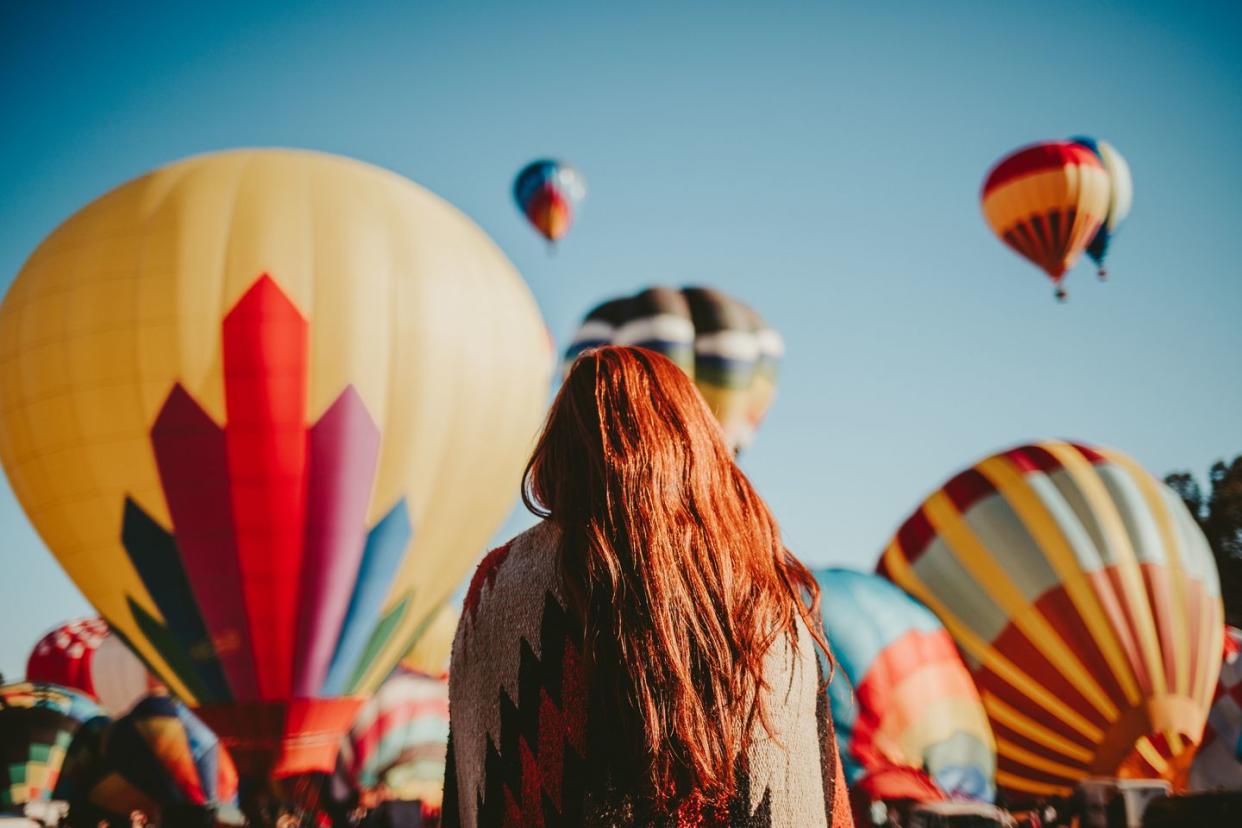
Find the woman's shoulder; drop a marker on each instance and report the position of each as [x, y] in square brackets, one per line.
[526, 563]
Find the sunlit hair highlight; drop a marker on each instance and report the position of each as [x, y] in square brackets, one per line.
[677, 565]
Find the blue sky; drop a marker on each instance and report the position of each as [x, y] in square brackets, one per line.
[821, 160]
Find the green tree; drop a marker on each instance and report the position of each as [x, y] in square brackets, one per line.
[1219, 513]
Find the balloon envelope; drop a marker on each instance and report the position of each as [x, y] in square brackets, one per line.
[1218, 764]
[400, 739]
[1120, 196]
[904, 697]
[265, 407]
[159, 758]
[37, 725]
[1046, 201]
[1085, 601]
[725, 346]
[547, 191]
[85, 655]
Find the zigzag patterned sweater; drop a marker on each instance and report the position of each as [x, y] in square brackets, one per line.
[524, 746]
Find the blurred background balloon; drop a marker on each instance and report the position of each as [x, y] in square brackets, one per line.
[159, 759]
[37, 725]
[1046, 201]
[902, 697]
[1085, 601]
[722, 344]
[396, 747]
[85, 655]
[1120, 197]
[547, 192]
[1218, 764]
[266, 407]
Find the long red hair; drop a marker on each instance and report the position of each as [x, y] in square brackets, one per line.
[677, 565]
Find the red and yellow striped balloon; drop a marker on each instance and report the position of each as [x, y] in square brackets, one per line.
[1086, 602]
[1047, 201]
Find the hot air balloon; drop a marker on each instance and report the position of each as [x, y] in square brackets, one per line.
[724, 345]
[37, 724]
[430, 654]
[1085, 601]
[159, 759]
[265, 407]
[547, 191]
[86, 656]
[906, 698]
[1047, 201]
[1120, 197]
[399, 740]
[1218, 764]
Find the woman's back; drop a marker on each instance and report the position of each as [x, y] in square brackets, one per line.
[525, 749]
[648, 654]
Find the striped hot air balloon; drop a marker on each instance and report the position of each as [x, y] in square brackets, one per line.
[37, 725]
[400, 739]
[1120, 198]
[724, 345]
[1085, 601]
[265, 407]
[1047, 201]
[903, 696]
[85, 655]
[1218, 763]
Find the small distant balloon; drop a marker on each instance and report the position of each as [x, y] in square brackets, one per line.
[1047, 201]
[547, 191]
[1120, 197]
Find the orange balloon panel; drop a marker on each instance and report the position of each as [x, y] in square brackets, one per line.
[266, 407]
[1086, 603]
[1046, 201]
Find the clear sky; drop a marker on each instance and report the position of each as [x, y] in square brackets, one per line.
[821, 160]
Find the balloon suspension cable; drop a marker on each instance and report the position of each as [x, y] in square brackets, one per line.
[551, 247]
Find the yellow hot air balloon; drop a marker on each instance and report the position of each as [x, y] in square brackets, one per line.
[266, 407]
[1086, 603]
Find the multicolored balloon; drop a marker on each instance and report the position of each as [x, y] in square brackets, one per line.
[725, 346]
[1085, 601]
[400, 738]
[265, 407]
[85, 655]
[1120, 197]
[1047, 201]
[1218, 764]
[547, 191]
[159, 759]
[37, 724]
[904, 697]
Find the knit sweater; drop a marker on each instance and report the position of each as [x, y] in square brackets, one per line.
[523, 741]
